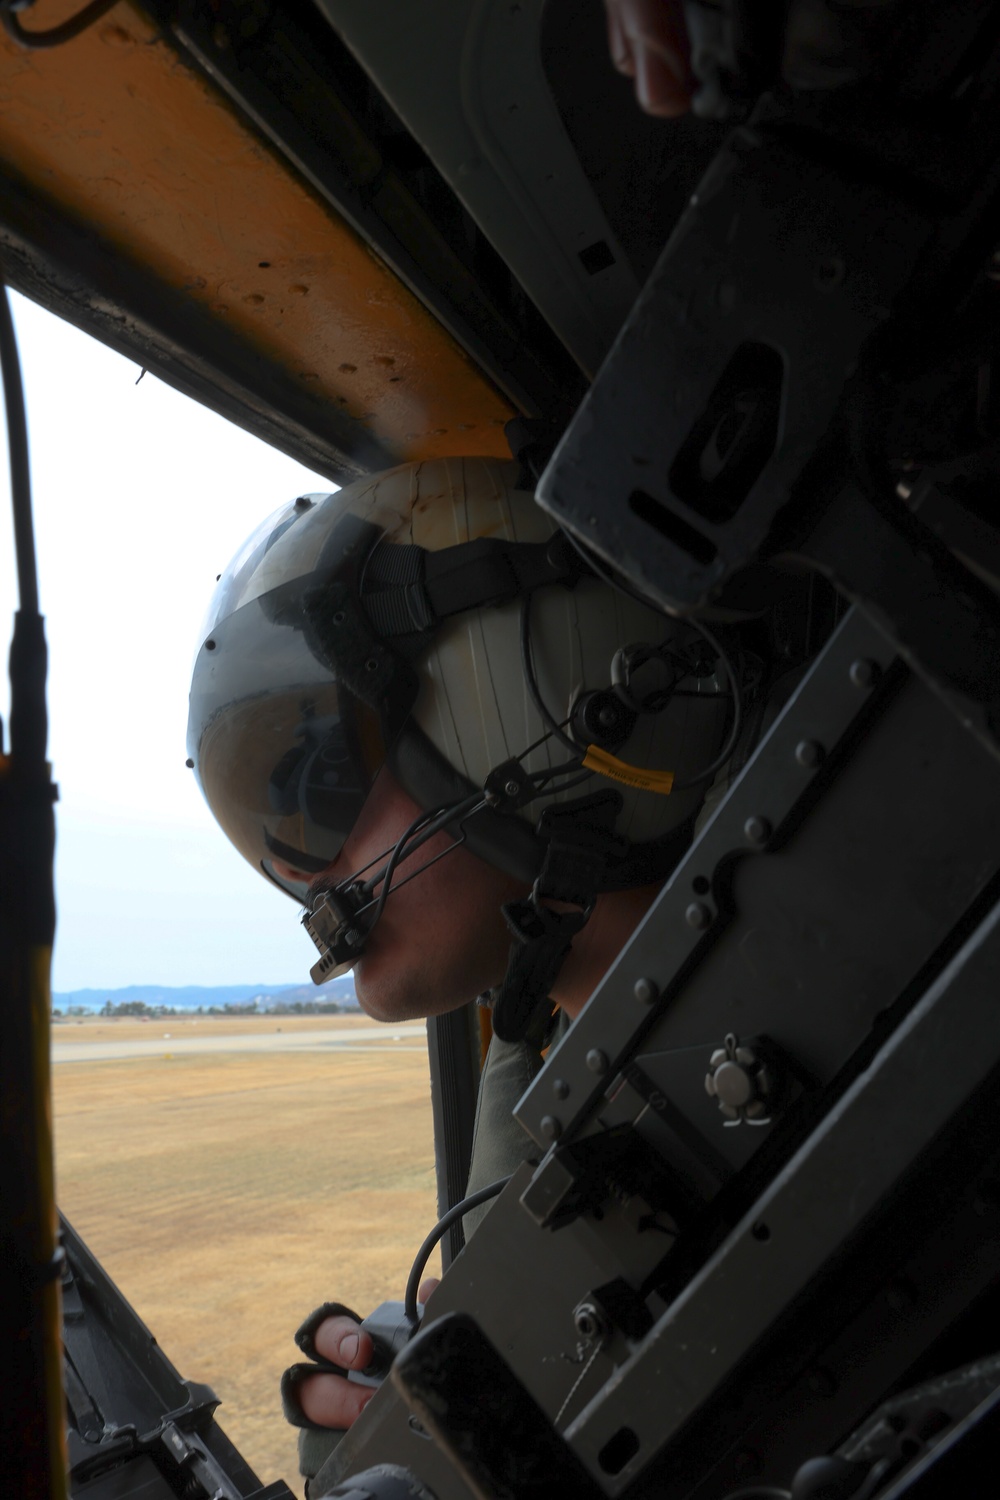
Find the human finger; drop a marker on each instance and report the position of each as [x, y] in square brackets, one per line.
[621, 52]
[333, 1401]
[343, 1342]
[655, 36]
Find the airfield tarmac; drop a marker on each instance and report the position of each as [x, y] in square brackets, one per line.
[231, 1176]
[118, 1038]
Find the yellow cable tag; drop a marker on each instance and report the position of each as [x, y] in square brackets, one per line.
[619, 770]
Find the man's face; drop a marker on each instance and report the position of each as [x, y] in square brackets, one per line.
[441, 939]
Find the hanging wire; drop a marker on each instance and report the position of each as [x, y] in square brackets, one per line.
[696, 624]
[419, 831]
[440, 1228]
[734, 733]
[55, 35]
[528, 666]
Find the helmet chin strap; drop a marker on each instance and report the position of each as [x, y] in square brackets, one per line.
[581, 844]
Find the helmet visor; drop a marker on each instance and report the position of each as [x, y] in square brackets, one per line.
[284, 744]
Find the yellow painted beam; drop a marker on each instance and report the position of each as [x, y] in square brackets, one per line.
[127, 139]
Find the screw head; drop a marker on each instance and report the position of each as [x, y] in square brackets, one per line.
[757, 829]
[551, 1127]
[597, 1061]
[863, 672]
[698, 915]
[645, 991]
[733, 1085]
[512, 788]
[560, 1088]
[809, 753]
[589, 1321]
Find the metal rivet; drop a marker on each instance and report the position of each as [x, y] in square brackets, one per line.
[597, 1061]
[209, 645]
[560, 1088]
[862, 672]
[551, 1127]
[757, 830]
[698, 915]
[589, 1321]
[645, 991]
[190, 764]
[809, 753]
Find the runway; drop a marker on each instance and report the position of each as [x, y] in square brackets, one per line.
[408, 1036]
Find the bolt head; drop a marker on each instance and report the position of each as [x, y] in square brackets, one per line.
[597, 1061]
[733, 1085]
[588, 1321]
[809, 753]
[863, 672]
[560, 1088]
[645, 991]
[757, 829]
[698, 915]
[551, 1127]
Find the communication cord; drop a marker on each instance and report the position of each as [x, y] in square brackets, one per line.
[30, 1323]
[440, 1229]
[54, 36]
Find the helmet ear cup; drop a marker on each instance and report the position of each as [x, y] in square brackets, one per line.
[602, 718]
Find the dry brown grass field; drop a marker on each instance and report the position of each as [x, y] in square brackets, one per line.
[228, 1194]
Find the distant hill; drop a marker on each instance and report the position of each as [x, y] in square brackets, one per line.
[190, 997]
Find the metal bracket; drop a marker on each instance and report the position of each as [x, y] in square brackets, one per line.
[686, 918]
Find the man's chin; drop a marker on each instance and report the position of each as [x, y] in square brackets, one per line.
[379, 998]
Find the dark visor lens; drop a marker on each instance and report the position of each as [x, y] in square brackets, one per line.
[289, 725]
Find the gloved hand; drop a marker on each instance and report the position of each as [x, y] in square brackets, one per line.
[319, 1396]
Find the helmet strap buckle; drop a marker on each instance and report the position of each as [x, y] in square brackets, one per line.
[581, 844]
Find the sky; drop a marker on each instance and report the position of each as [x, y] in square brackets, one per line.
[141, 498]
